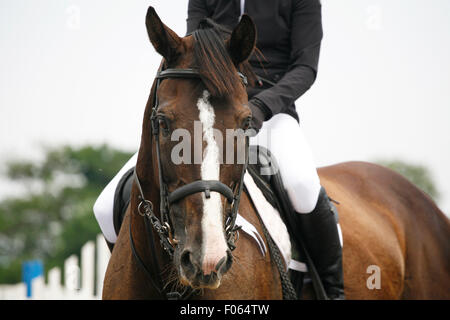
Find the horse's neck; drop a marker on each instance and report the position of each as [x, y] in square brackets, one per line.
[146, 240]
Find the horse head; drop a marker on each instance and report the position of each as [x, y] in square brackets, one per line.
[197, 114]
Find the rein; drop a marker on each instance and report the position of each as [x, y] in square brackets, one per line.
[162, 224]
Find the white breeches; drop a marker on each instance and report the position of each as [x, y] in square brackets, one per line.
[103, 207]
[283, 136]
[285, 139]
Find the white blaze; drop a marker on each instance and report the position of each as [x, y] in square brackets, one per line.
[214, 246]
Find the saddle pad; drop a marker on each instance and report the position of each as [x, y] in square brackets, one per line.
[273, 223]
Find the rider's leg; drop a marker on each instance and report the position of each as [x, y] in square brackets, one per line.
[321, 236]
[103, 207]
[285, 139]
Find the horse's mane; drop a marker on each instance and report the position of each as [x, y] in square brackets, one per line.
[213, 60]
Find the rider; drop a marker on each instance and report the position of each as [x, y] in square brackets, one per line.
[289, 37]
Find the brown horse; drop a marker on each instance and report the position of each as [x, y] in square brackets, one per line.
[388, 224]
[391, 227]
[201, 257]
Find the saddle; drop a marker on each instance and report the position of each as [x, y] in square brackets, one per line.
[271, 186]
[122, 197]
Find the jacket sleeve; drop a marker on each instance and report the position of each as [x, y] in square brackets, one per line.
[306, 36]
[197, 10]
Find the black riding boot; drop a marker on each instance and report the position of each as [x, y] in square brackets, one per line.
[110, 246]
[321, 237]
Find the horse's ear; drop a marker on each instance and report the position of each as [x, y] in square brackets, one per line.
[164, 40]
[242, 40]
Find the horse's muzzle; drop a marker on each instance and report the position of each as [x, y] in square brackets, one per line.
[195, 274]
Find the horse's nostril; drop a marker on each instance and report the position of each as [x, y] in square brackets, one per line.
[186, 262]
[226, 262]
[216, 265]
[220, 264]
[185, 257]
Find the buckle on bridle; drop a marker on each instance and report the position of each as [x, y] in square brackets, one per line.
[174, 242]
[147, 206]
[232, 236]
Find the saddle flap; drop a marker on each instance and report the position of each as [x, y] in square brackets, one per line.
[122, 197]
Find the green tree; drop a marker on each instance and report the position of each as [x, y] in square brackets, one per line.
[54, 217]
[419, 175]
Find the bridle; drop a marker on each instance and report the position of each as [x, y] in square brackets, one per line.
[162, 224]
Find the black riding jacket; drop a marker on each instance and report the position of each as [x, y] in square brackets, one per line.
[289, 36]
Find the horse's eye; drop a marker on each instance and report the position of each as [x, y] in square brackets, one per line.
[162, 123]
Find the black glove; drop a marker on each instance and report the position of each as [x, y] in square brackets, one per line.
[258, 114]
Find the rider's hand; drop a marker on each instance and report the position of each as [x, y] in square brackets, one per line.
[258, 115]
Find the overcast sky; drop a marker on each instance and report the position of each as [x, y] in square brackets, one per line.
[79, 72]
